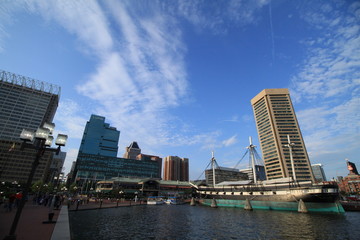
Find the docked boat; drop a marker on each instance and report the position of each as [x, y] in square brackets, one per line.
[174, 201]
[277, 194]
[157, 200]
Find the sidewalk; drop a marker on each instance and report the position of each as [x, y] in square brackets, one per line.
[30, 224]
[31, 227]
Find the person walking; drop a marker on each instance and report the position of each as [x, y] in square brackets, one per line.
[11, 202]
[18, 197]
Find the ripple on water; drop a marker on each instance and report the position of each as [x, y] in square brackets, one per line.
[187, 222]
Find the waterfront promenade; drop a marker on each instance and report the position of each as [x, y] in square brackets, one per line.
[31, 224]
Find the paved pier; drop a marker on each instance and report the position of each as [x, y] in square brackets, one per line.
[31, 224]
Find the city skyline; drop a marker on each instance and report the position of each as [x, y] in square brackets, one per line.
[178, 77]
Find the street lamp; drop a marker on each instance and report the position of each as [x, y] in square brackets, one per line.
[39, 140]
[121, 193]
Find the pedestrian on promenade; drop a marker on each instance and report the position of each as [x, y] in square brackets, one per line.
[10, 202]
[18, 197]
[57, 202]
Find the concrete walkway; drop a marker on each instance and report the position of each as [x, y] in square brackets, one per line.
[62, 227]
[30, 225]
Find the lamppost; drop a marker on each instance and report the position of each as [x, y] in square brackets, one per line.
[41, 141]
[136, 196]
[121, 193]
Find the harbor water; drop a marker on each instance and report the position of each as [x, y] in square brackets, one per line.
[200, 222]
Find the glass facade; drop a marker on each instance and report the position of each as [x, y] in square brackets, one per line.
[97, 158]
[99, 138]
[95, 167]
[318, 172]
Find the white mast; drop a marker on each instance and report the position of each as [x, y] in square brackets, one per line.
[251, 149]
[290, 145]
[213, 166]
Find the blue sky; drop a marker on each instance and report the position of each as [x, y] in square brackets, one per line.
[178, 76]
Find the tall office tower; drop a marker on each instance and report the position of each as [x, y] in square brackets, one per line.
[132, 151]
[24, 103]
[99, 138]
[275, 119]
[318, 172]
[176, 168]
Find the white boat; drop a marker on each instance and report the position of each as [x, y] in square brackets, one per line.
[155, 200]
[174, 201]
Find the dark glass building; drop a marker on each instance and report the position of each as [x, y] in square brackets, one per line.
[99, 138]
[97, 158]
[96, 167]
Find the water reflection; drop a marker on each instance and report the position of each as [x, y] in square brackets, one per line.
[187, 222]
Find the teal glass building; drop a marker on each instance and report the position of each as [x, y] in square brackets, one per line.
[99, 138]
[97, 159]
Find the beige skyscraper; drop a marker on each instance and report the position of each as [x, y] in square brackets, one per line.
[275, 120]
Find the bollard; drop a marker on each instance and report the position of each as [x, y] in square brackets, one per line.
[213, 203]
[101, 201]
[247, 205]
[51, 212]
[77, 204]
[117, 202]
[50, 219]
[192, 202]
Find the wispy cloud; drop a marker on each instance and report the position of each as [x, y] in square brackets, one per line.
[216, 15]
[234, 118]
[230, 141]
[85, 19]
[139, 53]
[72, 121]
[332, 65]
[330, 76]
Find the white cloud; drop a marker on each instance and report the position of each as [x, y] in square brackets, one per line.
[333, 62]
[83, 18]
[71, 121]
[234, 118]
[329, 81]
[140, 70]
[237, 12]
[228, 142]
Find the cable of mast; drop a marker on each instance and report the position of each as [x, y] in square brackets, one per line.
[241, 158]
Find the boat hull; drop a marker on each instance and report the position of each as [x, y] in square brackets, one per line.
[314, 198]
[277, 205]
[155, 202]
